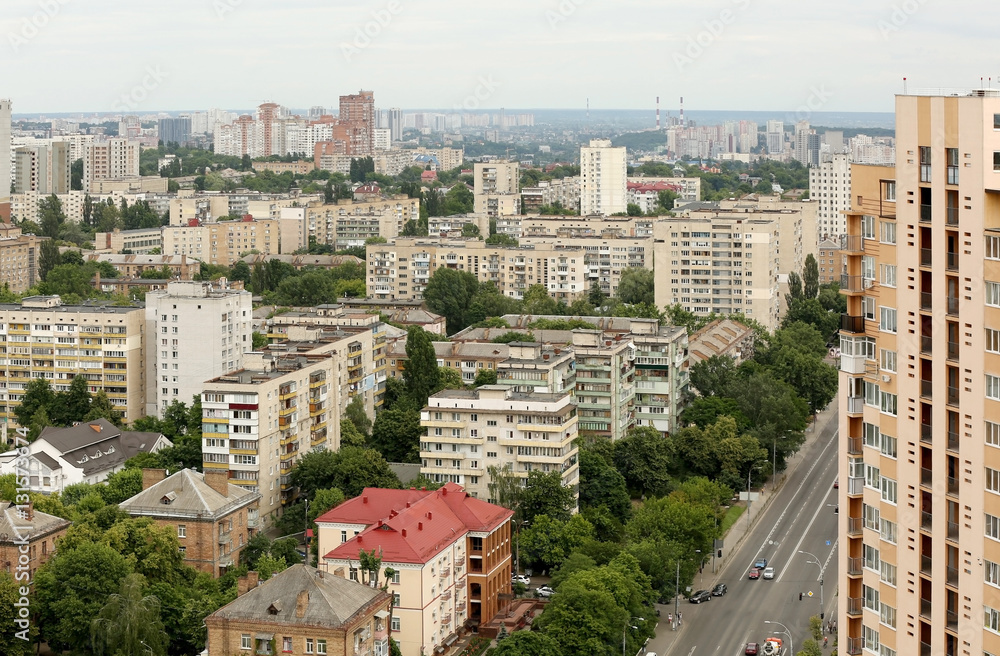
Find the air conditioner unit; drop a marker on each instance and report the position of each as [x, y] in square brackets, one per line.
[886, 378]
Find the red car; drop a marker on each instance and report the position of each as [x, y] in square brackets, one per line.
[754, 573]
[751, 649]
[836, 483]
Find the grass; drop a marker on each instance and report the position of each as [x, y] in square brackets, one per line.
[732, 516]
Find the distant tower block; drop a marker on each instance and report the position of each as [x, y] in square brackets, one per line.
[682, 111]
[657, 113]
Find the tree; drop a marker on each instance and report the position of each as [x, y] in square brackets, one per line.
[528, 643]
[48, 257]
[794, 287]
[257, 547]
[583, 620]
[76, 175]
[101, 408]
[15, 639]
[545, 494]
[811, 311]
[396, 434]
[50, 216]
[713, 376]
[73, 404]
[505, 489]
[71, 257]
[357, 415]
[470, 230]
[831, 299]
[513, 336]
[810, 277]
[631, 209]
[37, 395]
[485, 377]
[72, 589]
[122, 485]
[643, 458]
[351, 470]
[705, 410]
[666, 199]
[449, 292]
[488, 301]
[602, 485]
[267, 566]
[129, 623]
[501, 239]
[596, 295]
[350, 435]
[546, 542]
[420, 374]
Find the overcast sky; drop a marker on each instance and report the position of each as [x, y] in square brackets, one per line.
[847, 55]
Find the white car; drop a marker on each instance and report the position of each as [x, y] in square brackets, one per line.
[520, 578]
[545, 591]
[768, 572]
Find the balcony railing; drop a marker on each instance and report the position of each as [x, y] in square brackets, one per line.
[855, 404]
[952, 486]
[854, 445]
[926, 345]
[952, 350]
[854, 606]
[926, 301]
[953, 531]
[852, 324]
[952, 395]
[850, 283]
[926, 565]
[926, 433]
[855, 646]
[951, 262]
[852, 243]
[926, 477]
[925, 257]
[855, 485]
[926, 520]
[854, 566]
[925, 608]
[927, 389]
[953, 305]
[952, 441]
[855, 526]
[925, 649]
[951, 576]
[952, 216]
[925, 213]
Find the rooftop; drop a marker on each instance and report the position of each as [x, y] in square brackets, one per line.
[186, 493]
[13, 525]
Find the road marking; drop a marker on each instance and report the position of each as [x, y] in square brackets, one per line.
[692, 650]
[798, 544]
[826, 563]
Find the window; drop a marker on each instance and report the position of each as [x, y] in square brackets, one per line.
[887, 274]
[343, 537]
[993, 293]
[320, 645]
[887, 615]
[868, 267]
[887, 360]
[395, 577]
[993, 480]
[395, 599]
[871, 557]
[993, 387]
[992, 527]
[395, 624]
[992, 621]
[993, 340]
[868, 226]
[309, 646]
[888, 445]
[951, 161]
[181, 531]
[887, 232]
[992, 572]
[245, 641]
[885, 651]
[890, 190]
[887, 319]
[888, 530]
[872, 477]
[871, 394]
[870, 637]
[286, 644]
[888, 490]
[871, 599]
[887, 573]
[992, 433]
[888, 403]
[870, 435]
[925, 163]
[992, 247]
[868, 307]
[996, 160]
[870, 515]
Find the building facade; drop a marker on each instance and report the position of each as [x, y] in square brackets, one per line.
[115, 159]
[5, 149]
[29, 529]
[222, 242]
[603, 171]
[18, 258]
[830, 187]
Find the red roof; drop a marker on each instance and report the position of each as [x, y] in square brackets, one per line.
[412, 526]
[645, 187]
[429, 175]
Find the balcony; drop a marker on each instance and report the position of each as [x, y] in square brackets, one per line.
[852, 243]
[925, 257]
[952, 486]
[853, 364]
[926, 477]
[926, 433]
[953, 350]
[926, 609]
[445, 572]
[926, 565]
[855, 525]
[952, 441]
[951, 621]
[925, 213]
[855, 646]
[855, 486]
[854, 446]
[951, 576]
[854, 607]
[926, 386]
[446, 595]
[926, 520]
[855, 284]
[926, 301]
[952, 395]
[953, 531]
[855, 405]
[854, 566]
[926, 345]
[952, 216]
[852, 324]
[951, 261]
[953, 305]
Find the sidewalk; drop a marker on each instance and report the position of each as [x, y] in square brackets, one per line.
[737, 534]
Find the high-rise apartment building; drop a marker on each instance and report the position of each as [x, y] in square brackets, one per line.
[396, 124]
[18, 258]
[830, 187]
[5, 148]
[115, 159]
[603, 178]
[358, 109]
[807, 143]
[920, 388]
[176, 130]
[44, 169]
[221, 242]
[196, 331]
[496, 188]
[42, 338]
[775, 137]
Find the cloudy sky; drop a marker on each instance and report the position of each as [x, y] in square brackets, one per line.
[848, 55]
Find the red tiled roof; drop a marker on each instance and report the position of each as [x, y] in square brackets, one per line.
[652, 186]
[411, 526]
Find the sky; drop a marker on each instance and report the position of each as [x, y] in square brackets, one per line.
[169, 55]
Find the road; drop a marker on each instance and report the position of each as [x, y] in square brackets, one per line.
[800, 516]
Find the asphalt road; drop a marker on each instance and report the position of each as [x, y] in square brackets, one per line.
[800, 517]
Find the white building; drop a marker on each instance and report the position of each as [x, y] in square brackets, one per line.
[195, 331]
[830, 187]
[44, 168]
[603, 173]
[775, 137]
[5, 152]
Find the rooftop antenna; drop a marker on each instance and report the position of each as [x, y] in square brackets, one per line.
[904, 86]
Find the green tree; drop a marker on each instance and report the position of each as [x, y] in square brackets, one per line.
[267, 566]
[712, 377]
[420, 374]
[810, 277]
[488, 301]
[396, 434]
[101, 408]
[38, 395]
[69, 281]
[15, 639]
[76, 175]
[50, 216]
[485, 377]
[72, 589]
[632, 209]
[73, 404]
[596, 295]
[666, 199]
[257, 547]
[831, 299]
[528, 643]
[794, 287]
[537, 301]
[505, 489]
[545, 494]
[129, 623]
[351, 470]
[513, 336]
[583, 620]
[122, 485]
[501, 239]
[350, 435]
[811, 311]
[705, 410]
[602, 485]
[356, 413]
[449, 293]
[48, 257]
[643, 458]
[71, 257]
[470, 230]
[258, 340]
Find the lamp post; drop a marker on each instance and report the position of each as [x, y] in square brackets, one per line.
[677, 595]
[791, 643]
[628, 623]
[815, 561]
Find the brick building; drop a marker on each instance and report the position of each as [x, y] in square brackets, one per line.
[213, 519]
[301, 611]
[41, 530]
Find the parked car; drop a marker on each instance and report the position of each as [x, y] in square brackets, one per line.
[700, 596]
[760, 563]
[768, 573]
[719, 590]
[544, 591]
[751, 649]
[520, 578]
[836, 483]
[754, 573]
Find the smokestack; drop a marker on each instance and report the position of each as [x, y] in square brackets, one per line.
[657, 113]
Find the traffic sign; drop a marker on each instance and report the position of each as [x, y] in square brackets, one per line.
[828, 543]
[810, 593]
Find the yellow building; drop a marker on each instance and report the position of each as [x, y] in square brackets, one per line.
[18, 258]
[222, 242]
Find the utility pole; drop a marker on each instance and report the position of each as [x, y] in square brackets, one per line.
[677, 594]
[305, 533]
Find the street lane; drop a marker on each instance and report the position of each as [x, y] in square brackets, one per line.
[799, 518]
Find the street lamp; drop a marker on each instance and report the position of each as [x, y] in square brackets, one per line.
[628, 623]
[791, 643]
[815, 561]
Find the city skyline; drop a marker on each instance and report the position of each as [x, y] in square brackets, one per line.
[166, 59]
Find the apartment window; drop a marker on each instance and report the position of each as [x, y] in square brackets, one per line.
[993, 340]
[870, 637]
[491, 422]
[992, 527]
[395, 577]
[993, 433]
[996, 160]
[871, 599]
[321, 646]
[887, 319]
[245, 642]
[286, 644]
[888, 446]
[993, 293]
[868, 307]
[872, 477]
[395, 624]
[887, 615]
[870, 557]
[887, 232]
[887, 360]
[887, 530]
[870, 515]
[887, 403]
[993, 480]
[395, 600]
[887, 274]
[888, 490]
[870, 435]
[181, 531]
[992, 247]
[474, 417]
[992, 572]
[309, 646]
[887, 573]
[992, 619]
[890, 190]
[925, 163]
[871, 394]
[868, 226]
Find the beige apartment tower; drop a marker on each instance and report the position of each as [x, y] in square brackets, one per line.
[5, 146]
[603, 178]
[920, 388]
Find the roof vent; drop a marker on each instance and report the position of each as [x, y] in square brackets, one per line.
[403, 532]
[420, 526]
[430, 515]
[364, 499]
